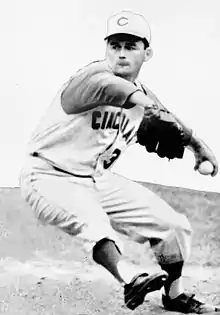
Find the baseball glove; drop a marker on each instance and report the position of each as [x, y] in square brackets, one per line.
[162, 133]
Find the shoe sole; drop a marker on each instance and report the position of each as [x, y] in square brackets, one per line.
[153, 283]
[207, 310]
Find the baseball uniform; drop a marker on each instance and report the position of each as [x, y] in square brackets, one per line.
[67, 178]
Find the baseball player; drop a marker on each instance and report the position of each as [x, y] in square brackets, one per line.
[67, 179]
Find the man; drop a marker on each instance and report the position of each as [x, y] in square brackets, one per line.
[67, 180]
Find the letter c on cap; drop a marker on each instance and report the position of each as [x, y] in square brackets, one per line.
[122, 21]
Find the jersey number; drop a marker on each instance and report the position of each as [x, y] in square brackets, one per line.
[115, 155]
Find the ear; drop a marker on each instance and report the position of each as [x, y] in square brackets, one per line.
[148, 54]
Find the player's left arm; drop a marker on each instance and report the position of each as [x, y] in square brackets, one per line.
[200, 149]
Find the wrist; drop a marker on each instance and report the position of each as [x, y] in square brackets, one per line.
[140, 99]
[194, 142]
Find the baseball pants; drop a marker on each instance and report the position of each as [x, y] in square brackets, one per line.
[103, 206]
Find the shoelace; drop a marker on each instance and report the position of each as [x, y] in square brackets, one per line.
[194, 303]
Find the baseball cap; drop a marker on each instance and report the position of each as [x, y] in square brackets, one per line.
[128, 22]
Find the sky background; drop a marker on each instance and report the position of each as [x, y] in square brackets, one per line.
[44, 42]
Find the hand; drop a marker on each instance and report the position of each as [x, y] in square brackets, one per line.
[203, 153]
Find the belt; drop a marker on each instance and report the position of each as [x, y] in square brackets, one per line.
[36, 154]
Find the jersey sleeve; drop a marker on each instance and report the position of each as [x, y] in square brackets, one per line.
[96, 86]
[152, 96]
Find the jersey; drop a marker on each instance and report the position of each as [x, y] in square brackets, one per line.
[90, 141]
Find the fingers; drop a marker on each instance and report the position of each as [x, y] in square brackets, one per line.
[196, 167]
[199, 161]
[215, 171]
[197, 164]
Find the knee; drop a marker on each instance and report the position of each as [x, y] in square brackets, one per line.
[184, 225]
[178, 223]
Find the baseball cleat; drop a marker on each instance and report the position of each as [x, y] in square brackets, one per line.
[141, 285]
[186, 303]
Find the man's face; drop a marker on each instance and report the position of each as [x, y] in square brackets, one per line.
[125, 54]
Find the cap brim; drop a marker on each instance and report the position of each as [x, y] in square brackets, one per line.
[127, 34]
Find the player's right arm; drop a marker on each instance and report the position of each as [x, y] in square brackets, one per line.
[98, 86]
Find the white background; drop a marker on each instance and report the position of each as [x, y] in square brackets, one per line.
[43, 42]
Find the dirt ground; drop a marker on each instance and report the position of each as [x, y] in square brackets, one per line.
[44, 271]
